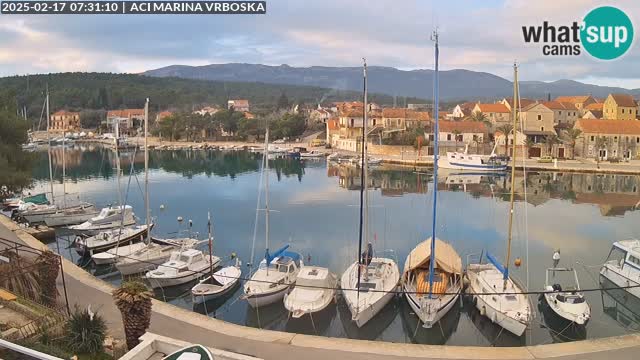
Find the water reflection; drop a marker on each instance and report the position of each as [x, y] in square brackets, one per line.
[372, 330]
[439, 334]
[620, 306]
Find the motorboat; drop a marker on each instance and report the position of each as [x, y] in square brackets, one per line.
[183, 266]
[191, 352]
[109, 218]
[71, 216]
[218, 285]
[112, 255]
[152, 255]
[314, 291]
[568, 303]
[275, 276]
[35, 213]
[312, 154]
[472, 162]
[333, 157]
[622, 266]
[432, 296]
[109, 239]
[501, 300]
[365, 297]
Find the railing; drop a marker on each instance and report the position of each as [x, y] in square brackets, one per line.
[36, 326]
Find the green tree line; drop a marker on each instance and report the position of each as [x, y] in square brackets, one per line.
[15, 164]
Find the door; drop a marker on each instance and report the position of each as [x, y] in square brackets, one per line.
[561, 153]
[534, 152]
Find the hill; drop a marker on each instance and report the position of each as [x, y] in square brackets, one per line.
[454, 84]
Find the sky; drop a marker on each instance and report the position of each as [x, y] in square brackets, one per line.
[474, 35]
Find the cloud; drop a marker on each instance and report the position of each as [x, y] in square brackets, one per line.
[477, 36]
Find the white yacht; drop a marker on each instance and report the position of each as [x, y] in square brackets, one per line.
[103, 241]
[622, 266]
[472, 162]
[35, 213]
[431, 300]
[109, 218]
[218, 285]
[314, 291]
[112, 255]
[569, 303]
[183, 267]
[271, 282]
[71, 216]
[152, 255]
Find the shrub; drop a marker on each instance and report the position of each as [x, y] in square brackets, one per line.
[85, 332]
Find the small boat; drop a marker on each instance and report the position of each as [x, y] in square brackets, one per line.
[271, 282]
[71, 216]
[112, 255]
[314, 291]
[568, 303]
[35, 213]
[218, 285]
[431, 297]
[333, 157]
[622, 266]
[111, 217]
[183, 266]
[110, 239]
[312, 154]
[152, 255]
[191, 352]
[469, 162]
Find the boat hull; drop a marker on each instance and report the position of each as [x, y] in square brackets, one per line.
[223, 291]
[567, 315]
[65, 220]
[95, 229]
[84, 250]
[444, 163]
[363, 317]
[264, 299]
[430, 319]
[612, 274]
[297, 312]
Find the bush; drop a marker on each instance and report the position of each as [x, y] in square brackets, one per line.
[85, 332]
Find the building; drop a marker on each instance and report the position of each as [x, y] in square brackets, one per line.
[564, 114]
[318, 116]
[608, 138]
[64, 121]
[128, 119]
[620, 107]
[537, 117]
[502, 147]
[238, 105]
[497, 113]
[207, 110]
[420, 107]
[162, 115]
[463, 110]
[508, 102]
[332, 129]
[579, 102]
[462, 131]
[592, 114]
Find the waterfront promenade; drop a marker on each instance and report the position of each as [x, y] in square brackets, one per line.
[171, 321]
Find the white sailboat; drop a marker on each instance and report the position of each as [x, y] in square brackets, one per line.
[370, 282]
[496, 294]
[109, 218]
[112, 255]
[109, 239]
[276, 273]
[432, 278]
[152, 255]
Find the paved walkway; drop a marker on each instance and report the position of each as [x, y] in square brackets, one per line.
[171, 321]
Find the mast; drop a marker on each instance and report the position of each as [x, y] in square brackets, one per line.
[146, 171]
[365, 158]
[210, 244]
[436, 150]
[117, 140]
[514, 114]
[64, 170]
[49, 145]
[266, 194]
[363, 173]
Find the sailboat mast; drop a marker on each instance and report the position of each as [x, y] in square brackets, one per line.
[64, 171]
[146, 170]
[514, 114]
[266, 194]
[362, 178]
[365, 160]
[210, 244]
[49, 145]
[436, 150]
[117, 141]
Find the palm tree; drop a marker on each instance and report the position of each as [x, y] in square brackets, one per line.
[573, 135]
[601, 142]
[134, 301]
[48, 265]
[456, 132]
[506, 130]
[551, 141]
[529, 144]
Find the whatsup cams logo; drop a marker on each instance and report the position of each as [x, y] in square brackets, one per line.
[605, 33]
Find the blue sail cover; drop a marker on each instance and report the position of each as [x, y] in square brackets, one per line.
[278, 252]
[498, 265]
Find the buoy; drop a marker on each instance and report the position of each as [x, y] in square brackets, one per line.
[556, 255]
[180, 219]
[517, 262]
[233, 255]
[161, 206]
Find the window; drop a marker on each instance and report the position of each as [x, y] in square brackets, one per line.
[615, 138]
[623, 111]
[559, 112]
[638, 140]
[634, 260]
[539, 117]
[542, 128]
[593, 138]
[448, 136]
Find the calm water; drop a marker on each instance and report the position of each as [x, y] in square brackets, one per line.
[317, 213]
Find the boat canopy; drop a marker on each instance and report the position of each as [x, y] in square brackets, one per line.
[38, 199]
[447, 258]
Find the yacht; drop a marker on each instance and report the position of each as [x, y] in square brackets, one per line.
[622, 266]
[112, 255]
[568, 303]
[432, 297]
[152, 255]
[183, 266]
[217, 285]
[314, 291]
[71, 216]
[105, 240]
[275, 276]
[109, 218]
[466, 161]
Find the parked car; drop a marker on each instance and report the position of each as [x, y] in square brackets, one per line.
[279, 141]
[317, 142]
[545, 159]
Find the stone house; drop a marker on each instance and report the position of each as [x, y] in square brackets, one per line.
[620, 107]
[579, 102]
[608, 138]
[564, 114]
[462, 131]
[497, 113]
[508, 102]
[64, 121]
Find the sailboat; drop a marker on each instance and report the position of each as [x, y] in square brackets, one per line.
[432, 282]
[497, 295]
[370, 282]
[277, 272]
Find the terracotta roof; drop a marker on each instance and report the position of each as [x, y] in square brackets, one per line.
[125, 113]
[595, 106]
[532, 105]
[462, 126]
[573, 99]
[495, 108]
[557, 105]
[332, 124]
[64, 113]
[394, 112]
[608, 126]
[352, 113]
[239, 102]
[624, 100]
[596, 113]
[248, 115]
[523, 102]
[164, 114]
[468, 105]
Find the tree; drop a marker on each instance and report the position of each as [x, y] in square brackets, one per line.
[48, 265]
[506, 130]
[601, 143]
[91, 119]
[134, 302]
[573, 135]
[15, 164]
[283, 102]
[456, 134]
[551, 140]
